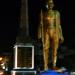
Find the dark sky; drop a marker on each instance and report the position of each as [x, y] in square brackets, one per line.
[9, 24]
[9, 13]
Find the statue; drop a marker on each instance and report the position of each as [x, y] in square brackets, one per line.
[50, 32]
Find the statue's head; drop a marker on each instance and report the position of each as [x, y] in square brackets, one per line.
[49, 4]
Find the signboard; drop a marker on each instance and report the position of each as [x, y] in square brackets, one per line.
[24, 57]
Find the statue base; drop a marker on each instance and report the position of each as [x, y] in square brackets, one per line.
[61, 71]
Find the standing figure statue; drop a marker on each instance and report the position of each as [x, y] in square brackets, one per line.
[50, 32]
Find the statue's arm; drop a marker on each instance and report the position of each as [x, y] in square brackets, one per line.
[59, 27]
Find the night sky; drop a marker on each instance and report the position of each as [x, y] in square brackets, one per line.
[9, 23]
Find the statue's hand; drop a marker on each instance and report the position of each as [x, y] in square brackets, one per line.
[61, 40]
[39, 40]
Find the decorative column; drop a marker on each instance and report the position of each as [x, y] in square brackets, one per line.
[23, 33]
[23, 50]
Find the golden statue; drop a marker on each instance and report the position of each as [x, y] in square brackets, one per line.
[51, 33]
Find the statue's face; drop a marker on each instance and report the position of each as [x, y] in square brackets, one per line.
[49, 5]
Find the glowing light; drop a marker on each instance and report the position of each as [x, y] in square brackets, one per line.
[48, 18]
[1, 58]
[1, 72]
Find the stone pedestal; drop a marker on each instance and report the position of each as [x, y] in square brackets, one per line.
[22, 72]
[53, 72]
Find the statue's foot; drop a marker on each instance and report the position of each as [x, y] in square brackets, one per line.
[57, 69]
[46, 68]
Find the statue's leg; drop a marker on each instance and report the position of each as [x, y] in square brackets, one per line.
[54, 50]
[45, 51]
